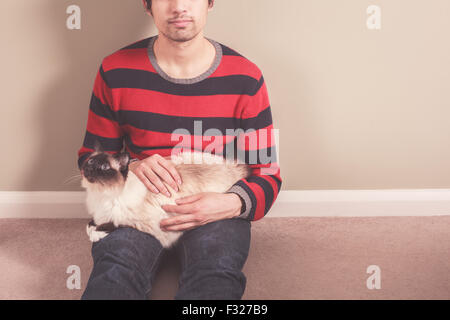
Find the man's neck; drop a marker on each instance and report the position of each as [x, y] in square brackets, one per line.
[186, 59]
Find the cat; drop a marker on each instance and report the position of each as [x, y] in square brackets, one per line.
[116, 197]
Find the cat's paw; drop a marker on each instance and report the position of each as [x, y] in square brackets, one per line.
[93, 234]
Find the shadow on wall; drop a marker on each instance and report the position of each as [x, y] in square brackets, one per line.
[106, 26]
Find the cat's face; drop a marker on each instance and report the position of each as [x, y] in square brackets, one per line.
[105, 170]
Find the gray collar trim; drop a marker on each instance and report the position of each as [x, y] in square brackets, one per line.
[207, 73]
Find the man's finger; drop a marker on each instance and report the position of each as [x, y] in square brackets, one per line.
[170, 167]
[146, 181]
[155, 180]
[165, 176]
[182, 208]
[190, 198]
[181, 227]
[188, 218]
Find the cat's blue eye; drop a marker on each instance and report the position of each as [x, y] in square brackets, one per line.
[105, 166]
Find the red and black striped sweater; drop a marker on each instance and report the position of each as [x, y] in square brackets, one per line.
[225, 110]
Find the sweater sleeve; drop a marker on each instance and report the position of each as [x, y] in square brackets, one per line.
[257, 144]
[102, 123]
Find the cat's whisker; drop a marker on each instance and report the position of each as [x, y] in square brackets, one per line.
[68, 182]
[75, 177]
[72, 178]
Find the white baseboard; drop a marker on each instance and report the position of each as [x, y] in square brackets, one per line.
[290, 203]
[43, 204]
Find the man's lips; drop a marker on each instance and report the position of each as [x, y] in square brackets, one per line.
[180, 20]
[180, 23]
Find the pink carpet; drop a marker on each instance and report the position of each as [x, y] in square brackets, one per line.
[290, 258]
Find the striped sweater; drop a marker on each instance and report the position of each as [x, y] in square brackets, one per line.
[135, 105]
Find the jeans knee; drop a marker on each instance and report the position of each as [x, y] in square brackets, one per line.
[124, 264]
[213, 257]
[128, 245]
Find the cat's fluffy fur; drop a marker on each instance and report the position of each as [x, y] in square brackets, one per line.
[124, 200]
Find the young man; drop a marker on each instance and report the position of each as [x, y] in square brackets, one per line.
[142, 94]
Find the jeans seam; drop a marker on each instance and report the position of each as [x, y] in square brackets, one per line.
[155, 263]
[185, 262]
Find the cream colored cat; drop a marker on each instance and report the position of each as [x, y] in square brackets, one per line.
[117, 197]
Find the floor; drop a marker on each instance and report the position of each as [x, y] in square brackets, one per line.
[290, 258]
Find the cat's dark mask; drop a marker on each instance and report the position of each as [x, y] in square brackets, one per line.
[104, 168]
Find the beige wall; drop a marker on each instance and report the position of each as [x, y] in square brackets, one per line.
[356, 109]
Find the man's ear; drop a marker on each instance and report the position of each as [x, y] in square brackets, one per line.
[147, 8]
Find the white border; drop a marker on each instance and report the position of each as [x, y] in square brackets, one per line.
[290, 203]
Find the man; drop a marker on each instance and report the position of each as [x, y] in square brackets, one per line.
[142, 94]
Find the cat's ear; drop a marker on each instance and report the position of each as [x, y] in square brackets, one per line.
[123, 158]
[97, 146]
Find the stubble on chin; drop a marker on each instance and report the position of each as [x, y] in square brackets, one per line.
[180, 35]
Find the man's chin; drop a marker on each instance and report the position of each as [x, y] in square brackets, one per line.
[181, 36]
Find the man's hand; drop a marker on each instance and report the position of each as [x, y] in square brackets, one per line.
[200, 209]
[155, 169]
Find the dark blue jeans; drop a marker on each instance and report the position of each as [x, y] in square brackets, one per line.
[212, 257]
